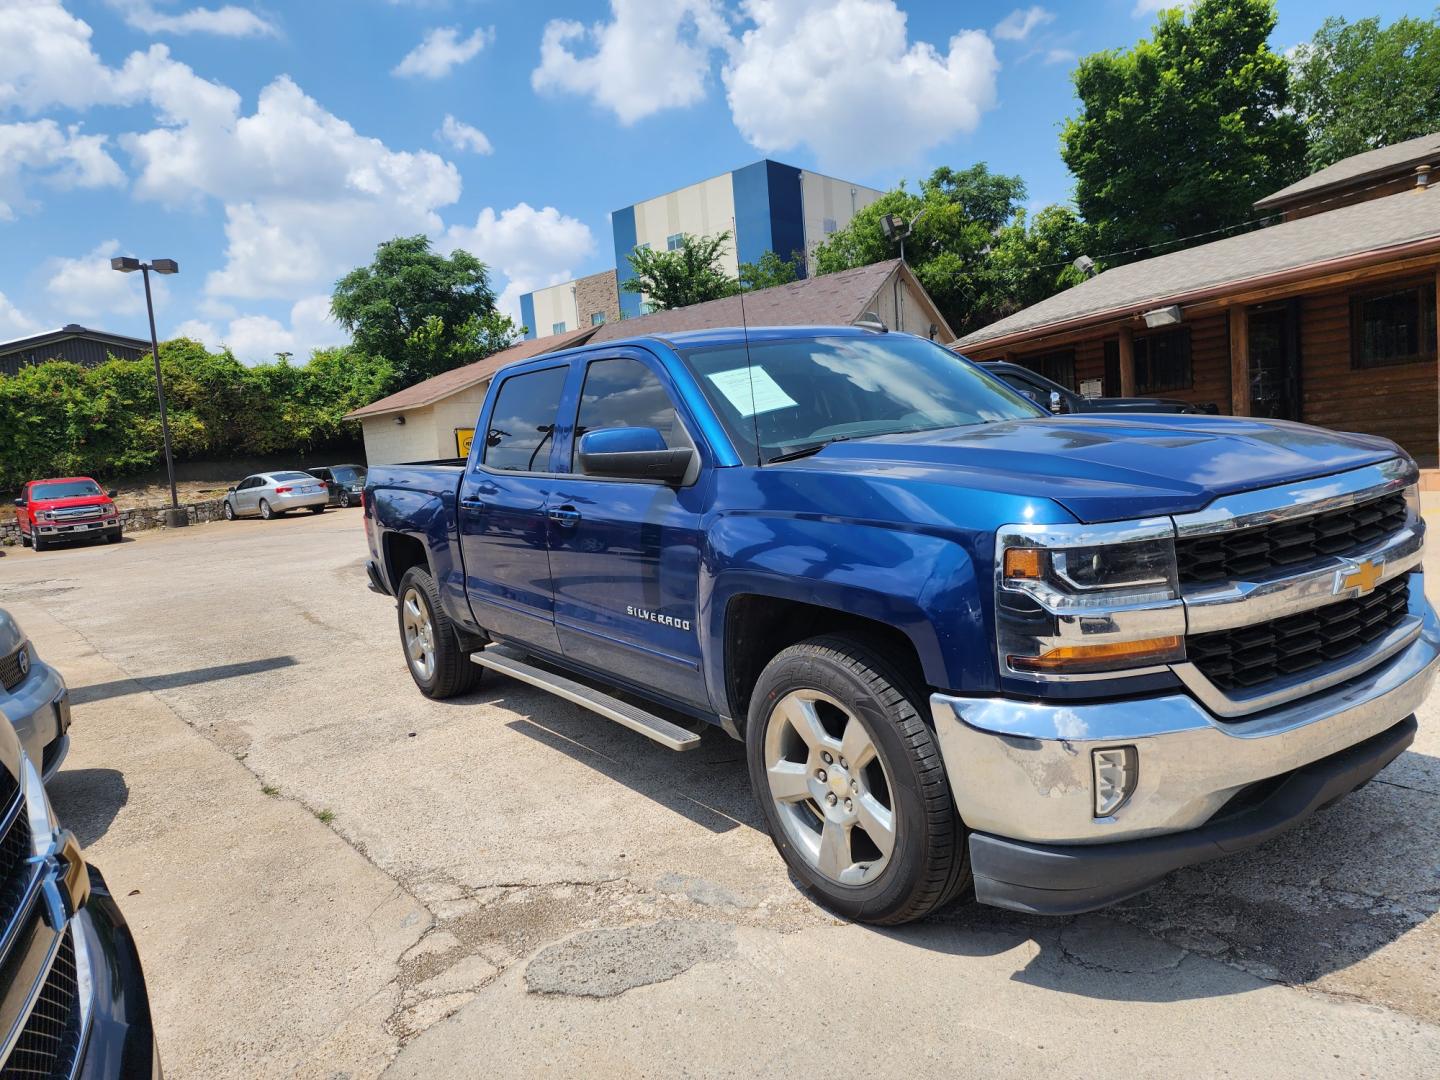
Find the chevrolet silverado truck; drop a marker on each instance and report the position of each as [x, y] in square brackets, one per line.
[971, 648]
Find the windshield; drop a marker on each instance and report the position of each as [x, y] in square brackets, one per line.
[800, 393]
[346, 474]
[70, 489]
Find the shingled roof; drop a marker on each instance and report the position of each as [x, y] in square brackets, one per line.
[462, 378]
[828, 300]
[1385, 163]
[1392, 227]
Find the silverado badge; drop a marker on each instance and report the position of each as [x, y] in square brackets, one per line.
[1363, 576]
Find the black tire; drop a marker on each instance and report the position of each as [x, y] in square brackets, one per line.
[39, 543]
[453, 670]
[114, 538]
[345, 499]
[317, 509]
[266, 510]
[929, 863]
[229, 511]
[24, 539]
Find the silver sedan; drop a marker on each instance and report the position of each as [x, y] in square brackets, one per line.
[267, 494]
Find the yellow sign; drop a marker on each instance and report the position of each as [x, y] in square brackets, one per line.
[1364, 577]
[464, 436]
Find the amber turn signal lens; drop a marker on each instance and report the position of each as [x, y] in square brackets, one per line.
[1100, 657]
[1022, 563]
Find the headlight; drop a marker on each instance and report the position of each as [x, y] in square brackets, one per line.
[1087, 600]
[1412, 500]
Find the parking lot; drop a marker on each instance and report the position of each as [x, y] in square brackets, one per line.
[331, 876]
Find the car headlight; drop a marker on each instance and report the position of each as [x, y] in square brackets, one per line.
[1087, 600]
[1412, 500]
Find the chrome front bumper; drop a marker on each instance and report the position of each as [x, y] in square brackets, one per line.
[1023, 770]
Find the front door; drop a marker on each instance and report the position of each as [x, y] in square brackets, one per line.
[625, 554]
[504, 530]
[1275, 361]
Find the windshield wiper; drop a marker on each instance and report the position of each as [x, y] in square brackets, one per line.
[806, 451]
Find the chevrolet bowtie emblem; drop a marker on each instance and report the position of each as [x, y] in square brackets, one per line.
[1364, 576]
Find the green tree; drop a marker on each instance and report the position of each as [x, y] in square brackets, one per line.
[406, 286]
[1359, 86]
[1179, 135]
[768, 270]
[1032, 258]
[690, 274]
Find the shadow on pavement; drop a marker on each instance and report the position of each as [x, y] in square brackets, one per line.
[87, 800]
[84, 695]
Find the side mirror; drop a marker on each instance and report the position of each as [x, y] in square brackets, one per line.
[229, 489]
[110, 495]
[632, 453]
[20, 502]
[1057, 403]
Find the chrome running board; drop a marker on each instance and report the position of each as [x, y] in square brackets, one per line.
[509, 661]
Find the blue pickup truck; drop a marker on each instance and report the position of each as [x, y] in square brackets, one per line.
[972, 649]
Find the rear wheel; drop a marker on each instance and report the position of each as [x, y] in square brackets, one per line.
[24, 539]
[851, 783]
[438, 664]
[265, 510]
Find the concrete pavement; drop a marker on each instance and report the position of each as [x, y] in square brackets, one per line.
[336, 876]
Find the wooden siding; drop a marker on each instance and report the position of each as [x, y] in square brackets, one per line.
[1398, 402]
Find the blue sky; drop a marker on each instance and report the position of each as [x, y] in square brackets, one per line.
[269, 146]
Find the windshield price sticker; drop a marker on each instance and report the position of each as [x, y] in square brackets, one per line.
[751, 390]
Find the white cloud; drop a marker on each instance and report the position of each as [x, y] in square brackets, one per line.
[1060, 56]
[62, 158]
[1150, 7]
[48, 59]
[844, 79]
[441, 50]
[462, 136]
[255, 339]
[15, 323]
[651, 55]
[86, 286]
[227, 21]
[531, 248]
[1019, 23]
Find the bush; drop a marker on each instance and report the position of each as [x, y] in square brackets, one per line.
[61, 419]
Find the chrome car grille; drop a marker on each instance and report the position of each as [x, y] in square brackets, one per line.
[10, 669]
[51, 1036]
[14, 850]
[1246, 554]
[1251, 656]
[77, 513]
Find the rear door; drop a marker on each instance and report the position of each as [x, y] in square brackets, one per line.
[625, 554]
[504, 531]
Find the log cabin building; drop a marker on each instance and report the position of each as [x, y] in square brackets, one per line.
[1327, 317]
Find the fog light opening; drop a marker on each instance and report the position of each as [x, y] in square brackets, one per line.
[1116, 768]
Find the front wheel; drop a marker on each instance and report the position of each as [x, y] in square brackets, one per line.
[229, 511]
[439, 666]
[113, 538]
[317, 509]
[851, 783]
[38, 542]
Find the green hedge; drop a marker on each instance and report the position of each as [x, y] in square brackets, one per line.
[61, 419]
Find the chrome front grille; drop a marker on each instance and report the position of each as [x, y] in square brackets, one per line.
[1248, 554]
[50, 1040]
[1247, 657]
[10, 670]
[15, 872]
[77, 513]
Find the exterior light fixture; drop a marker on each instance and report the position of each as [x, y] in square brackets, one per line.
[1085, 265]
[174, 517]
[400, 421]
[1165, 316]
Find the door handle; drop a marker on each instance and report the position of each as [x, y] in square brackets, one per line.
[472, 503]
[566, 516]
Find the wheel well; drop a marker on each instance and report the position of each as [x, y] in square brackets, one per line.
[401, 553]
[759, 627]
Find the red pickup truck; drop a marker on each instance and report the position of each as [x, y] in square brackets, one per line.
[66, 508]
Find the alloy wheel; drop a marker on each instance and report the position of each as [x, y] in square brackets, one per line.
[829, 787]
[419, 634]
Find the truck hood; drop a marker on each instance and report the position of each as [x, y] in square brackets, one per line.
[74, 500]
[1108, 468]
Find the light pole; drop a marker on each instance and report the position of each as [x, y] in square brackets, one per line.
[897, 228]
[174, 517]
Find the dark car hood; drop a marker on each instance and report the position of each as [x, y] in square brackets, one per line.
[1106, 468]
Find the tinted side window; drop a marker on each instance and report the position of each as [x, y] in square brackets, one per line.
[523, 421]
[625, 393]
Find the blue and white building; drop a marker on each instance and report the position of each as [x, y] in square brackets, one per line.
[768, 206]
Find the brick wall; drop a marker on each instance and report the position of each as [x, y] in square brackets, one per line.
[598, 292]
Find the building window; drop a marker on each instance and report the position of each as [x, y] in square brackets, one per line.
[1056, 366]
[1162, 362]
[674, 241]
[557, 328]
[1392, 328]
[597, 318]
[829, 225]
[643, 247]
